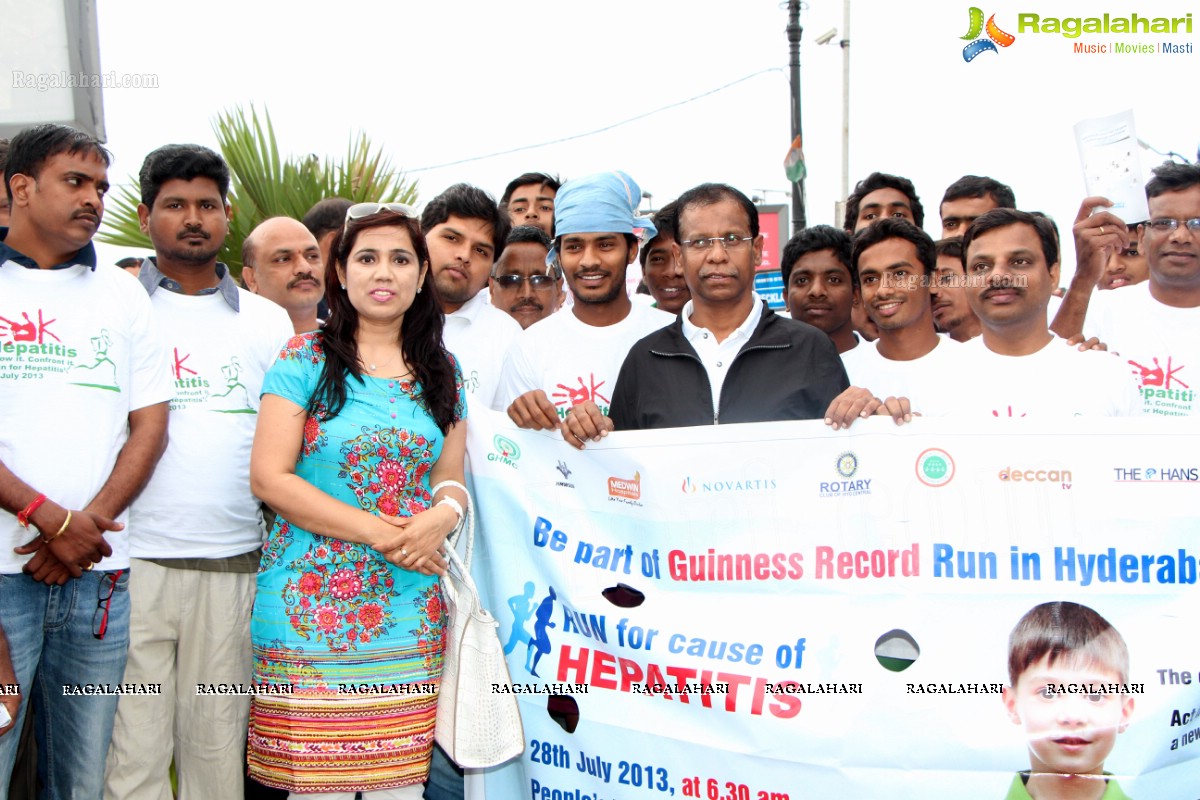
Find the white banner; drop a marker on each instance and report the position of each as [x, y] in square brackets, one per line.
[731, 608]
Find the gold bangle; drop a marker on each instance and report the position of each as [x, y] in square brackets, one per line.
[66, 523]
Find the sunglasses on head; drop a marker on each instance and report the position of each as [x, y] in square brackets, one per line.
[363, 210]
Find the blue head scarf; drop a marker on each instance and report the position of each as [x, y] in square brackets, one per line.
[606, 202]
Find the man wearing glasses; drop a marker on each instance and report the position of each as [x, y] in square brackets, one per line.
[82, 424]
[465, 232]
[727, 357]
[1155, 325]
[522, 284]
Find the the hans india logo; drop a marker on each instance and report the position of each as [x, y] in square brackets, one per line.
[566, 473]
[846, 466]
[727, 486]
[505, 451]
[1157, 474]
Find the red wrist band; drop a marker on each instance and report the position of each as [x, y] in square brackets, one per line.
[23, 516]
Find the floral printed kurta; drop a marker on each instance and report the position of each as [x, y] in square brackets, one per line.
[347, 645]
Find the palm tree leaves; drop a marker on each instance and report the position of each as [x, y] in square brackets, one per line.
[266, 184]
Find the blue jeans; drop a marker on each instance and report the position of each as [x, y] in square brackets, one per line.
[50, 636]
[445, 778]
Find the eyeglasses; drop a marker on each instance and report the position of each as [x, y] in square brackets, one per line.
[536, 282]
[1168, 224]
[730, 241]
[362, 210]
[104, 602]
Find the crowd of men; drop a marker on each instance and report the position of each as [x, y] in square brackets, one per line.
[131, 551]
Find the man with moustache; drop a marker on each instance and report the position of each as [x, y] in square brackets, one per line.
[465, 231]
[573, 357]
[820, 285]
[521, 283]
[1017, 367]
[281, 261]
[196, 530]
[727, 357]
[80, 438]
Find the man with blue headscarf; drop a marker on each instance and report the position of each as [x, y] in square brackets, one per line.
[574, 356]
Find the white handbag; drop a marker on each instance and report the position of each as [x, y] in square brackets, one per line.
[476, 726]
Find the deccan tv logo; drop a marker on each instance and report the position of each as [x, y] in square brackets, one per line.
[506, 451]
[1018, 475]
[626, 488]
[935, 467]
[995, 36]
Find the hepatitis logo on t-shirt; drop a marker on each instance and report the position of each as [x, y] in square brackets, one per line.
[1163, 391]
[570, 396]
[30, 348]
[28, 331]
[193, 390]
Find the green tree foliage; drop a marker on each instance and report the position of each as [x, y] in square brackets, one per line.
[265, 184]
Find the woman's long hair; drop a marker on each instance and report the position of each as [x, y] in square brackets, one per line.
[420, 332]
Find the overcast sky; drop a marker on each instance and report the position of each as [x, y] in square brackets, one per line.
[434, 83]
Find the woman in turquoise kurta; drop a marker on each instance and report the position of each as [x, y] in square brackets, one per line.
[358, 423]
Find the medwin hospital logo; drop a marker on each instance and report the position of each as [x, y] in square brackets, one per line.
[979, 45]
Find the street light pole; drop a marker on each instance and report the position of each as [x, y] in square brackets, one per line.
[794, 30]
[845, 43]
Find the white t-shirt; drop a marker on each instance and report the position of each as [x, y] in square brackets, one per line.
[1056, 381]
[79, 350]
[198, 503]
[929, 382]
[573, 362]
[479, 335]
[1159, 344]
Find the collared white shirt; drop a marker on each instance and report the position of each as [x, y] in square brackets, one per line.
[717, 356]
[478, 334]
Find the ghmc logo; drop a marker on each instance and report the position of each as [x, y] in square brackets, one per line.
[506, 451]
[935, 467]
[979, 45]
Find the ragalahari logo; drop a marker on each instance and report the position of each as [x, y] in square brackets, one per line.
[980, 45]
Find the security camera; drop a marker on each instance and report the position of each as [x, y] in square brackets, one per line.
[826, 37]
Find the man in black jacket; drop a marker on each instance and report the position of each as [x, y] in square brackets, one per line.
[728, 358]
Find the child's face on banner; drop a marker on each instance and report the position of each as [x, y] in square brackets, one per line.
[1070, 731]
